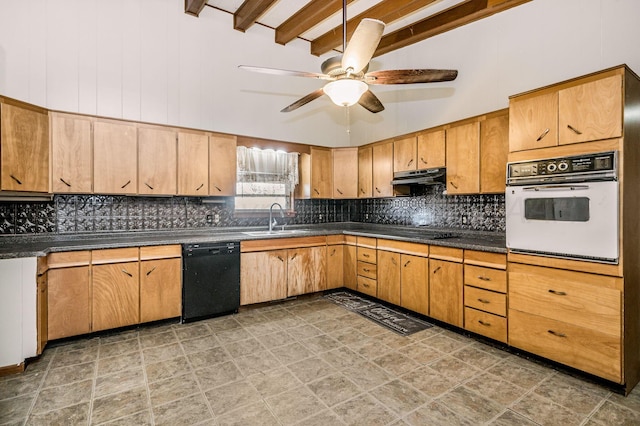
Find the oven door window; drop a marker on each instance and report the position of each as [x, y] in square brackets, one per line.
[560, 209]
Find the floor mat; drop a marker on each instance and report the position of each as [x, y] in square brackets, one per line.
[390, 318]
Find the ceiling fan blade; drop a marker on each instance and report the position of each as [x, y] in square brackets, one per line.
[371, 102]
[363, 44]
[304, 100]
[277, 71]
[410, 76]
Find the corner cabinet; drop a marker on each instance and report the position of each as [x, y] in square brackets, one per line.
[24, 147]
[115, 158]
[71, 154]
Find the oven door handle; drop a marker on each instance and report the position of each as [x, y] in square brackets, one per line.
[555, 187]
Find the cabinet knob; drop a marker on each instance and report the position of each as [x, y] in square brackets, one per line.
[486, 324]
[480, 277]
[65, 182]
[485, 301]
[542, 135]
[557, 334]
[365, 255]
[557, 293]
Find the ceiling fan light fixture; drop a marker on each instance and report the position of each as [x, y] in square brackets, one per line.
[345, 92]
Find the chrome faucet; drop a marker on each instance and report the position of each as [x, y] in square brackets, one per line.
[273, 222]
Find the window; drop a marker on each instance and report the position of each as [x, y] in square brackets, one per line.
[265, 177]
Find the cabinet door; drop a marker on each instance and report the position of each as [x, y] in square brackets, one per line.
[350, 267]
[24, 149]
[431, 150]
[157, 161]
[345, 173]
[389, 276]
[263, 276]
[71, 161]
[306, 270]
[42, 312]
[463, 159]
[383, 170]
[115, 296]
[533, 122]
[115, 160]
[445, 291]
[193, 164]
[365, 172]
[414, 294]
[494, 148]
[591, 111]
[335, 266]
[160, 289]
[404, 154]
[222, 165]
[68, 302]
[321, 173]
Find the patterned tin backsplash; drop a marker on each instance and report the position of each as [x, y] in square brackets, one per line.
[103, 213]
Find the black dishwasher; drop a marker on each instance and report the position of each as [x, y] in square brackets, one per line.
[210, 280]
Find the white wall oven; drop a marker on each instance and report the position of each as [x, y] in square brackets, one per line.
[564, 207]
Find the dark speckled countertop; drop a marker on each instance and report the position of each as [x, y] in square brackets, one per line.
[40, 245]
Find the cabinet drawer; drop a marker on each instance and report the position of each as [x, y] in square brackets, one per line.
[68, 259]
[368, 270]
[572, 297]
[367, 254]
[483, 258]
[446, 253]
[582, 348]
[489, 325]
[367, 242]
[114, 255]
[367, 286]
[491, 279]
[485, 300]
[160, 252]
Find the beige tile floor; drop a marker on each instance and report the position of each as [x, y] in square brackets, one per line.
[306, 362]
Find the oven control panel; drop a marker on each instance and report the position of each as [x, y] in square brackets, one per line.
[591, 166]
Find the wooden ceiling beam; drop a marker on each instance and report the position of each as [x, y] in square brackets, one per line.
[454, 17]
[306, 18]
[194, 7]
[248, 12]
[387, 11]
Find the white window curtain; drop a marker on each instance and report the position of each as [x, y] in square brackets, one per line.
[265, 177]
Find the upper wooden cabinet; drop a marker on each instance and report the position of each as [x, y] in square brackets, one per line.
[431, 149]
[157, 161]
[463, 159]
[581, 110]
[405, 154]
[345, 172]
[193, 163]
[383, 170]
[115, 157]
[494, 149]
[365, 172]
[222, 164]
[24, 147]
[71, 149]
[321, 173]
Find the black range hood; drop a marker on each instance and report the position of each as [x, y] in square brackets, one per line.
[420, 177]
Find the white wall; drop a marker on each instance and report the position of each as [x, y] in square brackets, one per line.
[146, 60]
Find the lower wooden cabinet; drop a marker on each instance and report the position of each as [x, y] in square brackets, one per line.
[306, 270]
[350, 271]
[160, 289]
[414, 293]
[445, 291]
[389, 276]
[115, 298]
[263, 276]
[42, 311]
[335, 266]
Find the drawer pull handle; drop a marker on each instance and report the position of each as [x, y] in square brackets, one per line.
[437, 269]
[200, 187]
[366, 269]
[406, 264]
[339, 192]
[410, 162]
[280, 259]
[365, 285]
[557, 293]
[124, 271]
[16, 179]
[125, 185]
[480, 277]
[485, 301]
[555, 333]
[294, 256]
[573, 129]
[65, 182]
[423, 160]
[153, 269]
[486, 324]
[365, 255]
[454, 185]
[542, 135]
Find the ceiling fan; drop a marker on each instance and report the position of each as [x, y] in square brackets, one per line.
[347, 74]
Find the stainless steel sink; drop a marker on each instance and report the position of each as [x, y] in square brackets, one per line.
[274, 232]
